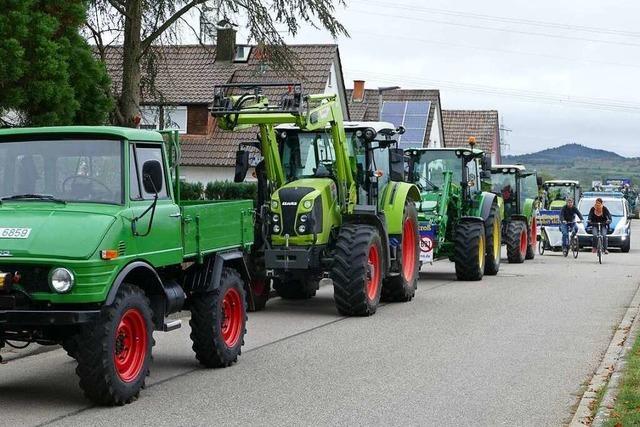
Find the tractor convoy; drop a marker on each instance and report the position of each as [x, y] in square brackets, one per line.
[98, 249]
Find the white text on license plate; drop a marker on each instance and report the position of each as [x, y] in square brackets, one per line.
[14, 232]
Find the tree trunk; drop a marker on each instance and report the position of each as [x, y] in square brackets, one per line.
[129, 100]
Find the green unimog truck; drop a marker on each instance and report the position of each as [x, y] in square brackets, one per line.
[97, 250]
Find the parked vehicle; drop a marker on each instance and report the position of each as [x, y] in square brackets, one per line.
[97, 250]
[331, 203]
[519, 191]
[458, 220]
[557, 191]
[619, 233]
[554, 196]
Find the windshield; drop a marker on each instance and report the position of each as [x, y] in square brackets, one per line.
[431, 165]
[560, 192]
[615, 206]
[302, 153]
[70, 170]
[504, 184]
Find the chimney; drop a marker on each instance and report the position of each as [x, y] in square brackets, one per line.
[358, 91]
[226, 44]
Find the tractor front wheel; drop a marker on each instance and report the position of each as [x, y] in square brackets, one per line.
[357, 270]
[402, 288]
[115, 351]
[531, 239]
[517, 242]
[470, 250]
[493, 234]
[219, 322]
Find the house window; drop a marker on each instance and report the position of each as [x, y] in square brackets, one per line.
[175, 117]
[242, 53]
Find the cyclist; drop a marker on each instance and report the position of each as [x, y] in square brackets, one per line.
[599, 214]
[568, 222]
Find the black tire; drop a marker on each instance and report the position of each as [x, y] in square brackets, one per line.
[531, 242]
[402, 288]
[626, 246]
[208, 317]
[260, 290]
[516, 253]
[70, 344]
[355, 290]
[101, 379]
[295, 289]
[469, 252]
[493, 225]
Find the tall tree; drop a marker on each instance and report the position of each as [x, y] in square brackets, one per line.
[48, 75]
[137, 25]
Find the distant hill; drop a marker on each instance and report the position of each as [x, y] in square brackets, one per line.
[575, 161]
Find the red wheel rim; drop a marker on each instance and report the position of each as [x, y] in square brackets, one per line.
[523, 242]
[232, 317]
[534, 231]
[408, 250]
[373, 263]
[130, 345]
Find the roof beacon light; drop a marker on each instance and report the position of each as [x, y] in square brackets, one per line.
[472, 141]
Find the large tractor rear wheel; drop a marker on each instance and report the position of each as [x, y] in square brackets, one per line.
[493, 227]
[218, 321]
[357, 270]
[115, 351]
[517, 242]
[402, 288]
[470, 250]
[531, 239]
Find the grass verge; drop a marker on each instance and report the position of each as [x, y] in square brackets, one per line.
[626, 411]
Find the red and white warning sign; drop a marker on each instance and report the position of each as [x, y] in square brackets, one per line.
[427, 239]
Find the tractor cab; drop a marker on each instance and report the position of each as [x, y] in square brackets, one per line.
[556, 193]
[517, 187]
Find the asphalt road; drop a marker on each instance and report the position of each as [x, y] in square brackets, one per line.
[511, 350]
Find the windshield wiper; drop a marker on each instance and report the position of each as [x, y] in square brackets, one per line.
[47, 197]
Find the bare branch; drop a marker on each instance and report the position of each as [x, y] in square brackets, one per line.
[169, 22]
[119, 6]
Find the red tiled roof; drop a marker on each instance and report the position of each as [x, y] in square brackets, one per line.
[459, 125]
[187, 74]
[369, 108]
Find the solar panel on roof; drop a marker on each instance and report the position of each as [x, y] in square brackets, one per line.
[413, 115]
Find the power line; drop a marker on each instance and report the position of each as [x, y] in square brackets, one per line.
[603, 104]
[508, 20]
[505, 30]
[489, 49]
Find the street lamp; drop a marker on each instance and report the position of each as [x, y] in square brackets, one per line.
[381, 90]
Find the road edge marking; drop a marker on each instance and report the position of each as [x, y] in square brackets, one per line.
[609, 371]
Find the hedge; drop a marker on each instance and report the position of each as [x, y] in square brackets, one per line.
[218, 190]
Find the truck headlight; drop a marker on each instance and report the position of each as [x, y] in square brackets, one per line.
[303, 218]
[61, 280]
[276, 218]
[276, 228]
[302, 228]
[274, 204]
[307, 204]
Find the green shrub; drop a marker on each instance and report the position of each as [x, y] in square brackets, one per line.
[191, 190]
[225, 190]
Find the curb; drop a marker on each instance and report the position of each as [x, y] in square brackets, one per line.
[609, 371]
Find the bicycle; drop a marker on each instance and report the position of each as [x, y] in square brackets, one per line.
[574, 246]
[600, 239]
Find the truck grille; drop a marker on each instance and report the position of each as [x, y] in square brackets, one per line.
[289, 199]
[32, 278]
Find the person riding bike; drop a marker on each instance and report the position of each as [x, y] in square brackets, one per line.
[568, 222]
[599, 214]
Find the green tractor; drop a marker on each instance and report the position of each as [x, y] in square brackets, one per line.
[458, 219]
[519, 191]
[556, 193]
[331, 202]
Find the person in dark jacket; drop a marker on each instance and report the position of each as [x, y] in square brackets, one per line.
[568, 215]
[599, 214]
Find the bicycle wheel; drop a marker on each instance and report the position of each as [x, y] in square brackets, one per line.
[541, 247]
[600, 249]
[574, 247]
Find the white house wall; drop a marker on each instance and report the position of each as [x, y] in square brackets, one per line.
[434, 137]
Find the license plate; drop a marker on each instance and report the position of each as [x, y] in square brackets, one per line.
[14, 233]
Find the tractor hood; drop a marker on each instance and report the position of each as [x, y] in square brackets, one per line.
[62, 232]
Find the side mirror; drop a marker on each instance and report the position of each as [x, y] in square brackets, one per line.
[486, 162]
[242, 165]
[485, 174]
[396, 164]
[152, 177]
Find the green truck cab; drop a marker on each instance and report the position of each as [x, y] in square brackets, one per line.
[519, 191]
[97, 250]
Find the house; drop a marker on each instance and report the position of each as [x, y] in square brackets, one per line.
[418, 110]
[459, 125]
[184, 81]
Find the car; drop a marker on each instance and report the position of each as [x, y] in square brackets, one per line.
[619, 234]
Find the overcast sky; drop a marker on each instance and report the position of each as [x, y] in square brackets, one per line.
[538, 63]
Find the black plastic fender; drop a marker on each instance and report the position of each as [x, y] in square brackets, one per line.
[489, 199]
[233, 259]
